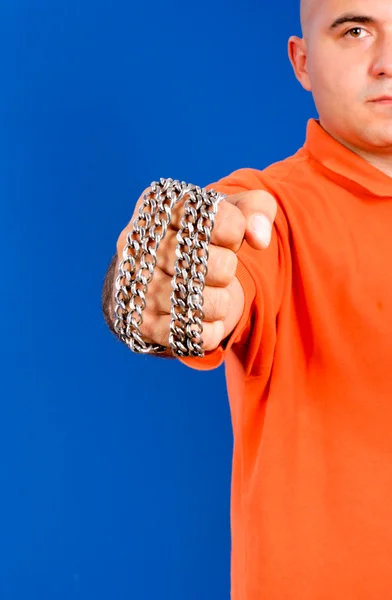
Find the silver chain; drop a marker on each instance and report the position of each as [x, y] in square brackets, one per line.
[190, 269]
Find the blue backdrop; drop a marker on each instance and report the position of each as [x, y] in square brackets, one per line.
[115, 469]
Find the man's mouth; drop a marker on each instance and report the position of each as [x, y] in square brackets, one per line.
[383, 100]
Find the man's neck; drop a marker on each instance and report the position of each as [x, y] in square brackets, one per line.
[382, 162]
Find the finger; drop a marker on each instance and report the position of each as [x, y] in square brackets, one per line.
[229, 226]
[228, 231]
[215, 307]
[234, 220]
[221, 264]
[263, 206]
[155, 330]
[122, 238]
[176, 215]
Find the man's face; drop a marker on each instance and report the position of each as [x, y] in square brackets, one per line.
[346, 66]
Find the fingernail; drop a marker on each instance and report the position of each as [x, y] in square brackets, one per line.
[262, 228]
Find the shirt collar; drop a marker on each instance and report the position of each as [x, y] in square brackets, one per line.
[343, 165]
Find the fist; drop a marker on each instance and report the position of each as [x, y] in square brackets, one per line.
[248, 215]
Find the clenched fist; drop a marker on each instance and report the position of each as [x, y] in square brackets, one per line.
[249, 216]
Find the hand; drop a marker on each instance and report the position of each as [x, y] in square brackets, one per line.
[249, 216]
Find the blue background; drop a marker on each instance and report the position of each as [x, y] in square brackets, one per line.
[115, 468]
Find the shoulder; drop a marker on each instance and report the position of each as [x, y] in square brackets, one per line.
[291, 170]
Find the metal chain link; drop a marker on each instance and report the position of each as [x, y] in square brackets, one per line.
[190, 269]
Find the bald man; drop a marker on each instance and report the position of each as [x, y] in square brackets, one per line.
[299, 309]
[344, 73]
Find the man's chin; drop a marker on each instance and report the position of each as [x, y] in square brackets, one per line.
[378, 135]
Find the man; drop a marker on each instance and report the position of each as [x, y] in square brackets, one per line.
[302, 317]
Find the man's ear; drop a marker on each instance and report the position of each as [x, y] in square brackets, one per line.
[298, 56]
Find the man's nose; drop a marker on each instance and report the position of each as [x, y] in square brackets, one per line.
[382, 64]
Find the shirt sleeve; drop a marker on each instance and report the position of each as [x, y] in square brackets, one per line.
[261, 275]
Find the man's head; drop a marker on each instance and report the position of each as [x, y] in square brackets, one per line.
[345, 60]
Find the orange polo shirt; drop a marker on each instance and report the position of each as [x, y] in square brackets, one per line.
[309, 379]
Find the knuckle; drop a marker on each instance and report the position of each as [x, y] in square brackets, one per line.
[264, 197]
[238, 219]
[212, 335]
[154, 329]
[231, 224]
[259, 201]
[166, 256]
[152, 299]
[223, 304]
[148, 327]
[226, 265]
[232, 262]
[122, 238]
[215, 304]
[158, 294]
[121, 241]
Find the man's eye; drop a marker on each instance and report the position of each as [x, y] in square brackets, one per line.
[355, 32]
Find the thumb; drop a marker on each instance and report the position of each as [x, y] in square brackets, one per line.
[259, 209]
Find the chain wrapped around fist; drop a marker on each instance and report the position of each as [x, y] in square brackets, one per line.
[139, 258]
